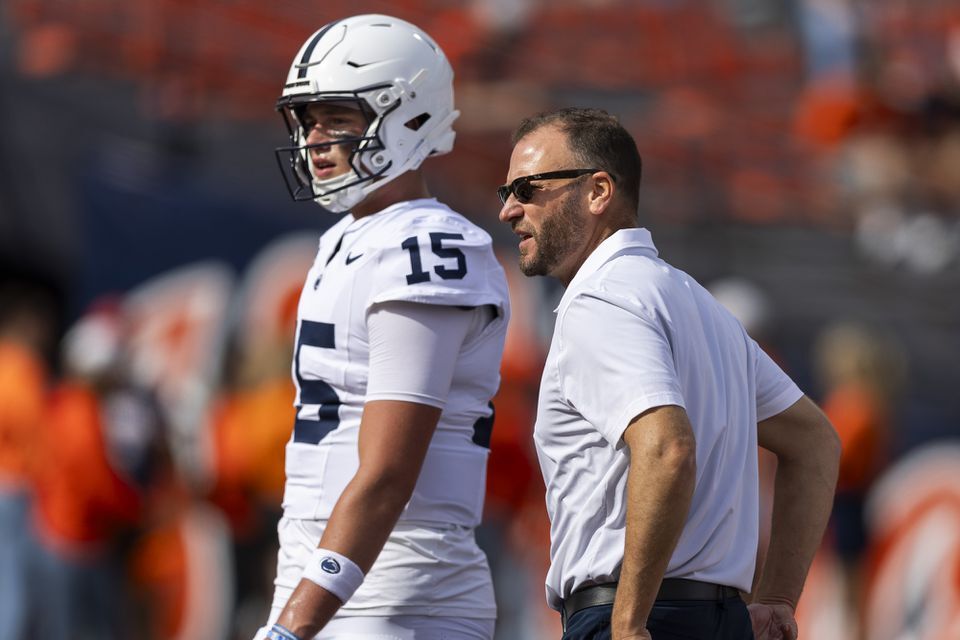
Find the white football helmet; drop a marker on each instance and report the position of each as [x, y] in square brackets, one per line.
[400, 80]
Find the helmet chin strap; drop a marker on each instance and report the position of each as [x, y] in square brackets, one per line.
[342, 200]
[347, 198]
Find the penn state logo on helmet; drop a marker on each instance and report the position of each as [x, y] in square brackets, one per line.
[396, 77]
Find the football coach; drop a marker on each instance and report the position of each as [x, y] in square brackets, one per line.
[652, 405]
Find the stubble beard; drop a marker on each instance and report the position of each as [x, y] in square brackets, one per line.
[555, 240]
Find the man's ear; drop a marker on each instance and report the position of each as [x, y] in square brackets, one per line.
[601, 195]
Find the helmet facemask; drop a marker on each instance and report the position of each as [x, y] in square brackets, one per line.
[367, 162]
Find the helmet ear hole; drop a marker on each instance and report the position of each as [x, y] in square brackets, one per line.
[416, 122]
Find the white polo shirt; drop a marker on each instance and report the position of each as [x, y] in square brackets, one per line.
[633, 333]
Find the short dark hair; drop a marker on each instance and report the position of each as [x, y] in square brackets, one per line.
[597, 139]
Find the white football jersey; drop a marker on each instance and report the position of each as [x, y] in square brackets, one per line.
[418, 251]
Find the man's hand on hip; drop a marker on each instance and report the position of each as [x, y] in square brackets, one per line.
[773, 621]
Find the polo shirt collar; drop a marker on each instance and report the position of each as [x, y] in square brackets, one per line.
[633, 240]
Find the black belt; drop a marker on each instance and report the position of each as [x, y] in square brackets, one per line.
[670, 589]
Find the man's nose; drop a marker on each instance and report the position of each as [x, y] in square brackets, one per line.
[317, 135]
[511, 209]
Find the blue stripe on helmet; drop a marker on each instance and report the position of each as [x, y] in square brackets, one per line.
[305, 60]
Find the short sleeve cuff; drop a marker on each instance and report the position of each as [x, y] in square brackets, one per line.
[405, 396]
[782, 401]
[618, 423]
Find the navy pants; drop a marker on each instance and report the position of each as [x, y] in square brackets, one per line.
[671, 620]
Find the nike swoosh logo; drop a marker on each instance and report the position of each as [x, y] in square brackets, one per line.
[352, 258]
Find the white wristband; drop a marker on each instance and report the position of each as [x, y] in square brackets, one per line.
[335, 572]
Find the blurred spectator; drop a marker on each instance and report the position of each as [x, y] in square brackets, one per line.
[862, 372]
[251, 422]
[93, 452]
[26, 330]
[251, 419]
[901, 184]
[180, 570]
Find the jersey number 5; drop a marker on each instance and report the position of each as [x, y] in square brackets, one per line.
[417, 273]
[315, 392]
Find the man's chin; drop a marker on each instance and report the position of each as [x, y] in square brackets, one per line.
[530, 267]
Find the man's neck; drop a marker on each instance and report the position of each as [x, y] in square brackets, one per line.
[600, 234]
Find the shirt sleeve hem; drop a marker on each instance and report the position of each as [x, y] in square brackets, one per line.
[781, 402]
[614, 428]
[408, 397]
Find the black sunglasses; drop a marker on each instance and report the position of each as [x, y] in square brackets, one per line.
[523, 190]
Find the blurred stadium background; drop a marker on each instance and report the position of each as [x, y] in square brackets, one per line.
[802, 158]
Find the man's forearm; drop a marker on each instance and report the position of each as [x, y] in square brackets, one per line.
[803, 496]
[659, 490]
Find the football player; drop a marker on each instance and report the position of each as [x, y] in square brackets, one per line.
[401, 325]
